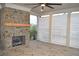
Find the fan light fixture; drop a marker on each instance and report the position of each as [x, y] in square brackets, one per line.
[43, 5]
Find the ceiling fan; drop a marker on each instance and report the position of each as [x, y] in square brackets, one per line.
[43, 5]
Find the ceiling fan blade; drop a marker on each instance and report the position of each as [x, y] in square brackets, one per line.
[36, 6]
[31, 3]
[50, 6]
[53, 3]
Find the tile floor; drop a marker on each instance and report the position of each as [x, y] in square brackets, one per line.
[38, 48]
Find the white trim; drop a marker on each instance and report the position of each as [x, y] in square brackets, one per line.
[58, 14]
[45, 16]
[75, 12]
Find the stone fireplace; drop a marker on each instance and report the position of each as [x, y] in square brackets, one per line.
[13, 36]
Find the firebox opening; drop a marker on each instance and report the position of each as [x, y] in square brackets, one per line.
[18, 40]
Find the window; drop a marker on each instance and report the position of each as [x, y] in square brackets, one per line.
[43, 29]
[59, 23]
[59, 29]
[74, 38]
[33, 27]
[33, 19]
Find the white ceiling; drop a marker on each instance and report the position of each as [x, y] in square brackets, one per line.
[57, 7]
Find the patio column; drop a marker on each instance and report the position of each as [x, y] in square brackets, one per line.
[68, 29]
[50, 23]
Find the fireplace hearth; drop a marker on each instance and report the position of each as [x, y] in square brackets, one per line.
[18, 40]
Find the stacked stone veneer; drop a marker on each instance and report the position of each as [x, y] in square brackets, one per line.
[10, 15]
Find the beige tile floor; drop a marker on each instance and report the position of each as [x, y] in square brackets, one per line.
[38, 48]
